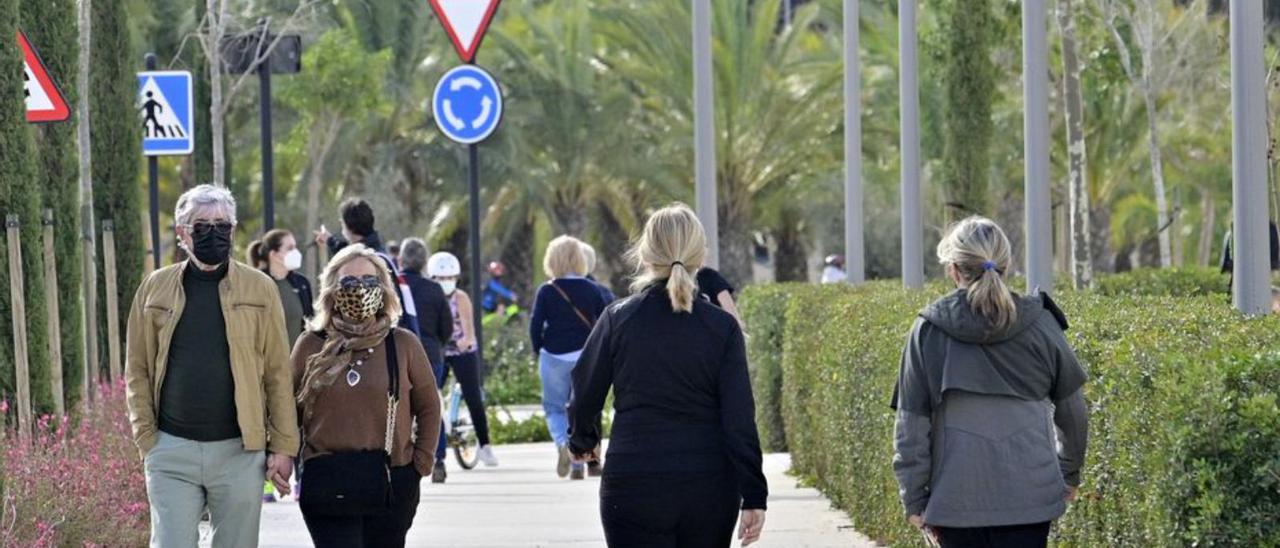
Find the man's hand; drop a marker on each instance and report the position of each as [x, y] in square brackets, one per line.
[467, 344]
[750, 524]
[590, 456]
[279, 469]
[1072, 493]
[322, 236]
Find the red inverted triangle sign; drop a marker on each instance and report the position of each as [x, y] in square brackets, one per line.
[44, 102]
[466, 22]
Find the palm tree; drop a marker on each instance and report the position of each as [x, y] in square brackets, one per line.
[776, 100]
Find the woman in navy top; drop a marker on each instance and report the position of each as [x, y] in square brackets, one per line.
[684, 459]
[564, 312]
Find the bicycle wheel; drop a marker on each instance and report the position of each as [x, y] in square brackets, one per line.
[466, 448]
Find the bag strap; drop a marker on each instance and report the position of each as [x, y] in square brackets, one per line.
[575, 308]
[393, 391]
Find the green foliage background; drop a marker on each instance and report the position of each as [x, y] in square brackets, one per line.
[1183, 404]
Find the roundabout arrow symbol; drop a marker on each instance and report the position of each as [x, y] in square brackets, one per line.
[486, 108]
[453, 119]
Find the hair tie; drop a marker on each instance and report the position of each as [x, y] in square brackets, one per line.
[673, 265]
[989, 266]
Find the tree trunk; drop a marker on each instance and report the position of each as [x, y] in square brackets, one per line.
[1080, 253]
[569, 218]
[613, 248]
[736, 245]
[90, 354]
[1175, 229]
[1100, 240]
[517, 256]
[1208, 216]
[1157, 175]
[792, 256]
[216, 15]
[318, 152]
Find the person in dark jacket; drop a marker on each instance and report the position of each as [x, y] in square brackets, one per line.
[684, 457]
[357, 228]
[986, 375]
[564, 312]
[434, 319]
[277, 255]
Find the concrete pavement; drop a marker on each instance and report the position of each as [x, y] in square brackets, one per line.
[523, 504]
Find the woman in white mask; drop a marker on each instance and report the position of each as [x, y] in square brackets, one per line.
[277, 255]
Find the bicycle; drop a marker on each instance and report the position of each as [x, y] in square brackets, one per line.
[460, 434]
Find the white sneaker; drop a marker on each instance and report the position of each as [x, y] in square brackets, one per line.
[487, 457]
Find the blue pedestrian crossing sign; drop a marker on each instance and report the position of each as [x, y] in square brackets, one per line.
[166, 108]
[467, 104]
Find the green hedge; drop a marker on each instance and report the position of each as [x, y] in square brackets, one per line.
[763, 310]
[1178, 282]
[1185, 423]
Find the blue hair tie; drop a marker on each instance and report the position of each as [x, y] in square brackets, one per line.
[988, 266]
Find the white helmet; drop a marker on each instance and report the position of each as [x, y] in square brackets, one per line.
[443, 265]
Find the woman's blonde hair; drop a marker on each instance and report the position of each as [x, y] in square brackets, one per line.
[564, 258]
[589, 256]
[673, 248]
[980, 253]
[329, 284]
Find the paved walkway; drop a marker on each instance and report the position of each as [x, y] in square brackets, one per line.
[523, 504]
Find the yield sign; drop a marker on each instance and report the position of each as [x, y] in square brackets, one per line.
[466, 22]
[44, 102]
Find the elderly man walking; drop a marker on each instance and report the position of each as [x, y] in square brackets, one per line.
[210, 390]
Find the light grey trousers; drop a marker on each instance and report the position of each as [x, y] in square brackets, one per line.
[183, 476]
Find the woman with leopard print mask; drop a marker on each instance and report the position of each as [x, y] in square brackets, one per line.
[356, 416]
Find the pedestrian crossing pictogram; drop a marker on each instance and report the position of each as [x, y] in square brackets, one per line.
[165, 111]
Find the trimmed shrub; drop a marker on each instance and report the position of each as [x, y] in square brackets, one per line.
[764, 313]
[1177, 282]
[1183, 434]
[511, 370]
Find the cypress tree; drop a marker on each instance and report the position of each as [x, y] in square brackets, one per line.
[52, 24]
[20, 195]
[202, 156]
[969, 75]
[116, 134]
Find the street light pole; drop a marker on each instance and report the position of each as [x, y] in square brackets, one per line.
[855, 264]
[704, 128]
[1248, 161]
[909, 95]
[1035, 123]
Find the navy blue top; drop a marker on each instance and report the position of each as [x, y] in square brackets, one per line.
[682, 393]
[555, 326]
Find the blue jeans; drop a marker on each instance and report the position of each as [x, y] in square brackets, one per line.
[557, 390]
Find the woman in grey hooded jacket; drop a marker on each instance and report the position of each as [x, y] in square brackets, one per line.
[986, 376]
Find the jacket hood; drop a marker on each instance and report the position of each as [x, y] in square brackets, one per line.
[953, 315]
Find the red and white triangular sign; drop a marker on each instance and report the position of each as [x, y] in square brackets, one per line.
[466, 22]
[44, 102]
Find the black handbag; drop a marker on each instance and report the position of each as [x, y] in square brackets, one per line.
[355, 483]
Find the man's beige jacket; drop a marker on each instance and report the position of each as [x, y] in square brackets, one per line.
[256, 338]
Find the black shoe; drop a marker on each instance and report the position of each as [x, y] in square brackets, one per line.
[438, 474]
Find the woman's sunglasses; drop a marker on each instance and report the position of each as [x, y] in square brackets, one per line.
[201, 228]
[352, 282]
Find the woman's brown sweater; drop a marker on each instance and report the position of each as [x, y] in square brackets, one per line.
[353, 418]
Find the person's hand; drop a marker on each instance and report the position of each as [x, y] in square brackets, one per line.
[750, 524]
[584, 458]
[916, 521]
[322, 236]
[279, 469]
[1072, 493]
[467, 344]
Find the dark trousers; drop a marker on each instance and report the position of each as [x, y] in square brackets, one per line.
[1035, 535]
[379, 531]
[669, 511]
[467, 369]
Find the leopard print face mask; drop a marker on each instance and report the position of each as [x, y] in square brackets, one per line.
[358, 299]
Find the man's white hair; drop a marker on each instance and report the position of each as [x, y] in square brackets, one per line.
[200, 197]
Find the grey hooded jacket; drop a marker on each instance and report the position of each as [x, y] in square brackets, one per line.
[974, 442]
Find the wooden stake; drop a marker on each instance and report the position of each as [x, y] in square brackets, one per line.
[54, 321]
[90, 315]
[18, 294]
[113, 313]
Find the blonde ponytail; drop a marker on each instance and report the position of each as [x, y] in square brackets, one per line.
[979, 252]
[672, 248]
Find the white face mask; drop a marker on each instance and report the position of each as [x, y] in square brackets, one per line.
[449, 287]
[293, 259]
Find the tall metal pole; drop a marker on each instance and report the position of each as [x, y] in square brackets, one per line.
[153, 179]
[1035, 123]
[1248, 161]
[909, 95]
[474, 176]
[268, 159]
[855, 264]
[704, 129]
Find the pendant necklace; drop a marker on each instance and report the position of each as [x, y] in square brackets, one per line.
[353, 376]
